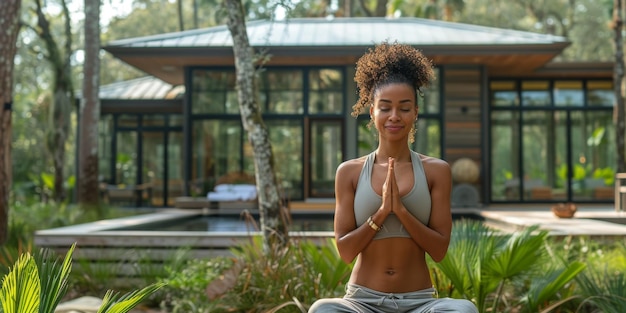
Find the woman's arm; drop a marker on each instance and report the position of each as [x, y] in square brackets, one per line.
[351, 240]
[433, 238]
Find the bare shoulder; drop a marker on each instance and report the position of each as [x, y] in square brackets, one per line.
[434, 162]
[349, 167]
[348, 172]
[436, 166]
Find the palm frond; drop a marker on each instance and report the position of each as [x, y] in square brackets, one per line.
[604, 290]
[545, 287]
[53, 277]
[114, 303]
[21, 287]
[519, 254]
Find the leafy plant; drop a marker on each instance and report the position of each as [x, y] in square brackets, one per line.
[254, 280]
[38, 283]
[607, 174]
[483, 263]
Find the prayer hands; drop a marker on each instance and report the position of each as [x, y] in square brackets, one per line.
[391, 199]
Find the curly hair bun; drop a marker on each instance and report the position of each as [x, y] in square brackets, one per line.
[390, 63]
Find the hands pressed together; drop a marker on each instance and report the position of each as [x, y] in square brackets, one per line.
[390, 194]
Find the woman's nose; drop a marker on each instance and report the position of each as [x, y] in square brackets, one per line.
[394, 115]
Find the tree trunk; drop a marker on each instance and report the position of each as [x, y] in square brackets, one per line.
[181, 21]
[618, 78]
[63, 91]
[90, 109]
[9, 28]
[272, 213]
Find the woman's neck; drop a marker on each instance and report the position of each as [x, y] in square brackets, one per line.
[399, 153]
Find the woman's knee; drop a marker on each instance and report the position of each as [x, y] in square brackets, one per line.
[328, 306]
[451, 305]
[321, 306]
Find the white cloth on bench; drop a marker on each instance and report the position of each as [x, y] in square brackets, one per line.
[233, 192]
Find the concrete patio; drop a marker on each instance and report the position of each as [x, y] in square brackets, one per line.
[591, 220]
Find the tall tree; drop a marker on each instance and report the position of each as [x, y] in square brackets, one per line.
[90, 108]
[618, 79]
[272, 214]
[63, 97]
[181, 19]
[9, 28]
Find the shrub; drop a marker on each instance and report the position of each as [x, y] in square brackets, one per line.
[255, 280]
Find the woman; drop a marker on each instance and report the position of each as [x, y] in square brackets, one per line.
[393, 205]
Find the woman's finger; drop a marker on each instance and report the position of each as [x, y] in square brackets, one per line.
[391, 177]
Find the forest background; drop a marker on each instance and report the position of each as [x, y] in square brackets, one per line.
[44, 149]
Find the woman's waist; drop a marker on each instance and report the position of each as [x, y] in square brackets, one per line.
[392, 275]
[392, 282]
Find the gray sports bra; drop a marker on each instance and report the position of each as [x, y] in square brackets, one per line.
[367, 201]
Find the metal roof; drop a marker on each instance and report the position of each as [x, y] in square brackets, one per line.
[299, 32]
[148, 87]
[340, 42]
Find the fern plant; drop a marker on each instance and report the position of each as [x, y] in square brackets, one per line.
[36, 284]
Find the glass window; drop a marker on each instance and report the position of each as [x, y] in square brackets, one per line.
[593, 158]
[428, 137]
[600, 93]
[216, 150]
[430, 103]
[367, 136]
[105, 132]
[286, 138]
[126, 158]
[503, 93]
[214, 92]
[326, 154]
[558, 149]
[152, 120]
[504, 156]
[325, 91]
[536, 93]
[568, 93]
[280, 91]
[566, 154]
[537, 154]
[126, 120]
[176, 120]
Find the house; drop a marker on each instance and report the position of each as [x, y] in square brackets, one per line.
[537, 130]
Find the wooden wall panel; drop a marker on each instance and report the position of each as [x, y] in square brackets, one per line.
[462, 102]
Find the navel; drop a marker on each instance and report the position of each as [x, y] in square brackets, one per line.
[390, 272]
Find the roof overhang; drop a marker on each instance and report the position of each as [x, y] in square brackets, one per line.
[341, 42]
[168, 63]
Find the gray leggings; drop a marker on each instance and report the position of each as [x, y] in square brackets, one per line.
[360, 299]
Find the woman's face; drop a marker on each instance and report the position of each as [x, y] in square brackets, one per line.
[394, 111]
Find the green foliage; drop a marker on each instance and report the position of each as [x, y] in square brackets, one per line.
[604, 290]
[602, 285]
[21, 288]
[607, 174]
[487, 266]
[53, 277]
[115, 303]
[543, 288]
[186, 287]
[19, 242]
[38, 283]
[284, 279]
